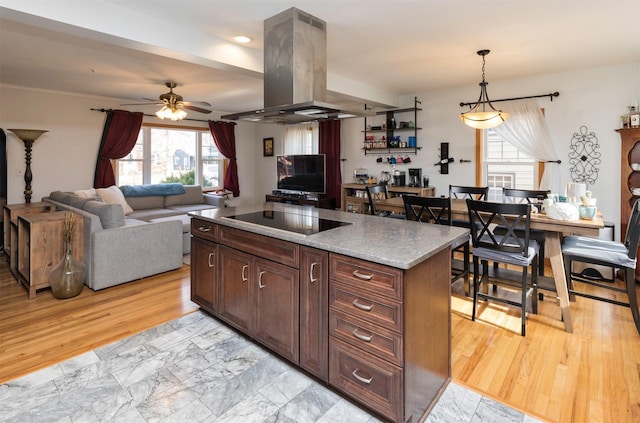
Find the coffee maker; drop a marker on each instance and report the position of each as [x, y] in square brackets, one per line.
[415, 178]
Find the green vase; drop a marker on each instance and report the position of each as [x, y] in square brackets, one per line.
[67, 277]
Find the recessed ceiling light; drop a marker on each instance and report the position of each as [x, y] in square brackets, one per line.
[242, 39]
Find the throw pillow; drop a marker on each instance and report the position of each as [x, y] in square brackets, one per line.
[86, 193]
[113, 195]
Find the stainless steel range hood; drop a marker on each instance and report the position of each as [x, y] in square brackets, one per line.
[295, 72]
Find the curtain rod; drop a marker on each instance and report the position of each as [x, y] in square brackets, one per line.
[550, 95]
[148, 115]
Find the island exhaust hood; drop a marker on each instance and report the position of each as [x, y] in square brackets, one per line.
[295, 72]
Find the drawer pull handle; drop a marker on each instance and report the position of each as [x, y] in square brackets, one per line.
[244, 277]
[211, 255]
[260, 285]
[362, 306]
[204, 228]
[362, 337]
[360, 378]
[311, 278]
[361, 276]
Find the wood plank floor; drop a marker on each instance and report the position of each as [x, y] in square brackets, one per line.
[592, 375]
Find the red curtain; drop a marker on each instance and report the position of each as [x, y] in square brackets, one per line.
[225, 138]
[119, 136]
[329, 144]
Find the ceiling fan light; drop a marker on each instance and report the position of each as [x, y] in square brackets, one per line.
[171, 113]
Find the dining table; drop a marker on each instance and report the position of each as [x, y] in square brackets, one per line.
[554, 230]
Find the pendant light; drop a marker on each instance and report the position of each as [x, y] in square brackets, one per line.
[479, 116]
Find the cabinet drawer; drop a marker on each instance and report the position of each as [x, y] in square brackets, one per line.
[374, 382]
[204, 229]
[367, 306]
[367, 275]
[371, 338]
[273, 249]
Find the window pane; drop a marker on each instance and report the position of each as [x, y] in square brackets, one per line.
[506, 166]
[212, 163]
[173, 155]
[130, 168]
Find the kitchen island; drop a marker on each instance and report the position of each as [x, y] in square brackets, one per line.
[360, 302]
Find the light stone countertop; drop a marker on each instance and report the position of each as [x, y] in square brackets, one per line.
[393, 242]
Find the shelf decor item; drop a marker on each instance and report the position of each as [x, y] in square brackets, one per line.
[67, 277]
[28, 137]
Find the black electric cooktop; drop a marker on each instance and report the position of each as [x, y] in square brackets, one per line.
[292, 222]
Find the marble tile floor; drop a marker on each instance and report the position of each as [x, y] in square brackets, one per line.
[196, 369]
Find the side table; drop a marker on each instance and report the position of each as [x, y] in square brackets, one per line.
[11, 212]
[42, 246]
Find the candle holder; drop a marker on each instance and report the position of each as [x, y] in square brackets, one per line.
[28, 137]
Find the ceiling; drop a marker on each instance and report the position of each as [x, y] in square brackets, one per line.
[376, 50]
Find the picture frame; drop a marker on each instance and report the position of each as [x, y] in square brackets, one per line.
[267, 147]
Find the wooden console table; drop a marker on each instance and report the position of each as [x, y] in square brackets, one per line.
[11, 212]
[42, 246]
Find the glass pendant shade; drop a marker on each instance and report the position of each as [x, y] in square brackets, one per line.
[480, 116]
[171, 113]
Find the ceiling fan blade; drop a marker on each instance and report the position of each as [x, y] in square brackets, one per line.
[196, 109]
[142, 104]
[199, 103]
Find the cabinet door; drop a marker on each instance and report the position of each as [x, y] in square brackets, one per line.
[314, 304]
[203, 274]
[234, 277]
[275, 294]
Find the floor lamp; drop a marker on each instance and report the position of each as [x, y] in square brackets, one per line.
[28, 137]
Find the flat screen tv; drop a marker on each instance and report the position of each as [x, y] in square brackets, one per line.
[302, 173]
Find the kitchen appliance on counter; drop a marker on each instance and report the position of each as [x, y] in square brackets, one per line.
[415, 178]
[399, 178]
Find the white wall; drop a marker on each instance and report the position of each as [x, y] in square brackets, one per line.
[64, 158]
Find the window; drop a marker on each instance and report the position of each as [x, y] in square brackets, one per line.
[301, 139]
[162, 154]
[505, 166]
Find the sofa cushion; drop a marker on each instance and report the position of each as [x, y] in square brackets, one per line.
[148, 214]
[192, 207]
[86, 193]
[111, 215]
[113, 195]
[145, 203]
[77, 201]
[192, 195]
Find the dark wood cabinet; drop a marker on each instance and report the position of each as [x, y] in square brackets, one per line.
[274, 290]
[235, 300]
[629, 177]
[377, 334]
[314, 303]
[203, 274]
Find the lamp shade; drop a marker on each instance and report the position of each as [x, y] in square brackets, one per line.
[484, 120]
[28, 134]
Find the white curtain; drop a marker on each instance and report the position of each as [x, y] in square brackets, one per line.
[301, 139]
[527, 130]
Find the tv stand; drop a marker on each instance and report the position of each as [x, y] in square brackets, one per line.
[321, 203]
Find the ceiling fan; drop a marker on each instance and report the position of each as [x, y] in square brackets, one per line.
[172, 103]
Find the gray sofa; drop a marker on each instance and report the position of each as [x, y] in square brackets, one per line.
[151, 239]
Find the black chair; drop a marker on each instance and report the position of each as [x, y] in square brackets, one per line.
[534, 197]
[508, 248]
[438, 210]
[473, 193]
[621, 255]
[379, 192]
